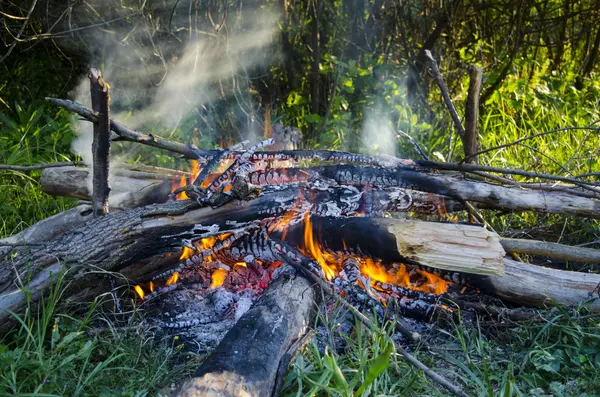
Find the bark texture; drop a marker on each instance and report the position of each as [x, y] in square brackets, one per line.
[255, 353]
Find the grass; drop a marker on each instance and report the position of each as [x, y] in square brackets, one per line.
[52, 353]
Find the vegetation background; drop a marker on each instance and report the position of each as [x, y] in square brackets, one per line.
[350, 74]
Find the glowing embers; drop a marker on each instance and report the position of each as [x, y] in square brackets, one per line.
[149, 287]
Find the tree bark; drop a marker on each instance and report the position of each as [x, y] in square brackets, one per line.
[254, 355]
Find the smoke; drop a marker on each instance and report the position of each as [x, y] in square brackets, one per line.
[168, 68]
[377, 133]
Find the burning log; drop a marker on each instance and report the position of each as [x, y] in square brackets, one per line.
[254, 355]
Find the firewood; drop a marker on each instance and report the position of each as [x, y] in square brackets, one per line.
[127, 192]
[253, 355]
[100, 91]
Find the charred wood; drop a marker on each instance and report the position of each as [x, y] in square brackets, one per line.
[253, 354]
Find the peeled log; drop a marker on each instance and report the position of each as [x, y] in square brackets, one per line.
[255, 353]
[126, 192]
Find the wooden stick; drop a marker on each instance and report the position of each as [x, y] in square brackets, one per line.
[100, 91]
[188, 151]
[472, 112]
[552, 250]
[440, 82]
[34, 167]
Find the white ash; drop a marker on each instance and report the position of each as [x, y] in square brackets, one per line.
[200, 317]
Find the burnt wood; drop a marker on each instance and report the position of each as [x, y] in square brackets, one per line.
[255, 353]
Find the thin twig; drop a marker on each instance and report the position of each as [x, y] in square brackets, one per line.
[41, 166]
[14, 43]
[418, 148]
[440, 82]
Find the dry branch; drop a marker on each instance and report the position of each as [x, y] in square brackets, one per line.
[551, 250]
[100, 91]
[472, 112]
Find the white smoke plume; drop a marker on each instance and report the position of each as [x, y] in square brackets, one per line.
[378, 135]
[158, 82]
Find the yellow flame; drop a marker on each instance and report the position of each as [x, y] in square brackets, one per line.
[139, 291]
[187, 252]
[218, 277]
[315, 250]
[173, 279]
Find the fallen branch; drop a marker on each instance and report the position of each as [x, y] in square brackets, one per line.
[551, 250]
[34, 167]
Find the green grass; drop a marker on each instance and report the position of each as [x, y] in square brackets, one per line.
[52, 353]
[31, 135]
[559, 356]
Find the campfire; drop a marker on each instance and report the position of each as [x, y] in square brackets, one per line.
[249, 240]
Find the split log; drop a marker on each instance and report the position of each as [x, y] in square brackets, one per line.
[520, 283]
[254, 355]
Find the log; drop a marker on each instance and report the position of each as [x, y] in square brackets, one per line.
[255, 353]
[486, 195]
[127, 192]
[452, 247]
[51, 227]
[521, 283]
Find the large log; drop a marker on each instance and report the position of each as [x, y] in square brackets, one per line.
[520, 283]
[486, 195]
[255, 353]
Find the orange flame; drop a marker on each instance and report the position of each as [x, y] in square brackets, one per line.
[322, 258]
[173, 279]
[218, 277]
[139, 291]
[151, 286]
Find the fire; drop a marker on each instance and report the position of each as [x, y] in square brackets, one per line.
[139, 291]
[218, 277]
[183, 181]
[373, 270]
[173, 279]
[322, 258]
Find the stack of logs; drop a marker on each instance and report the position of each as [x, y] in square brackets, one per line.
[135, 228]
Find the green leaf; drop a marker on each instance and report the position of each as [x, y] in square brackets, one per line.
[378, 365]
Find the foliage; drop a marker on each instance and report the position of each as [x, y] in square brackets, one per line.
[30, 135]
